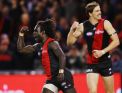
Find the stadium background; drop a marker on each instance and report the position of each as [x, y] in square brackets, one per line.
[22, 73]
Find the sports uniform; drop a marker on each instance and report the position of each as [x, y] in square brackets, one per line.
[50, 63]
[97, 39]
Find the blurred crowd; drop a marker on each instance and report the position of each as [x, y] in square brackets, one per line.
[17, 13]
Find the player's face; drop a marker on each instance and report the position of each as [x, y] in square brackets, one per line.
[37, 33]
[96, 14]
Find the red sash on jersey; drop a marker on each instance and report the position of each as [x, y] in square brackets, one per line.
[45, 58]
[97, 42]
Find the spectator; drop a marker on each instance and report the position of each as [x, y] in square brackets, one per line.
[73, 59]
[25, 19]
[17, 13]
[63, 27]
[117, 60]
[6, 57]
[5, 21]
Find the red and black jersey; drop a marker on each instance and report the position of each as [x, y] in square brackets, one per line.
[97, 39]
[50, 62]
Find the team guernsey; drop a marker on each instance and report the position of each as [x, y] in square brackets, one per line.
[49, 60]
[50, 63]
[97, 38]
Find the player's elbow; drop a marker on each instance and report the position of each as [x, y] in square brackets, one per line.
[20, 50]
[117, 42]
[23, 51]
[70, 42]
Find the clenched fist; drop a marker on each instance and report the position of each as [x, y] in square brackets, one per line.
[23, 30]
[74, 25]
[98, 53]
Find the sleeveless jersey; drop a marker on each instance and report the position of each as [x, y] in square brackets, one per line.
[50, 61]
[97, 39]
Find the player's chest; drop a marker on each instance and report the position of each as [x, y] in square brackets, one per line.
[91, 32]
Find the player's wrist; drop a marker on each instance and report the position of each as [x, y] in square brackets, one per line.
[103, 52]
[61, 70]
[21, 34]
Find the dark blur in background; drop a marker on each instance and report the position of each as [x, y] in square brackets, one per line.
[17, 13]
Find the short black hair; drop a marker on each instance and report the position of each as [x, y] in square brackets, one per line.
[48, 26]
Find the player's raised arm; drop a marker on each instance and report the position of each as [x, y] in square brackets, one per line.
[75, 32]
[113, 35]
[21, 44]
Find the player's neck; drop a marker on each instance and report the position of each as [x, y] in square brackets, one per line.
[93, 21]
[45, 38]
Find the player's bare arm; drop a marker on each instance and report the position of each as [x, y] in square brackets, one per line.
[60, 54]
[21, 44]
[76, 31]
[114, 37]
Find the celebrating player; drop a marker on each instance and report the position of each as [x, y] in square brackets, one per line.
[97, 33]
[52, 57]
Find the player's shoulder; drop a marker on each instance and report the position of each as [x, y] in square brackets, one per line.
[107, 23]
[85, 22]
[53, 44]
[81, 24]
[81, 27]
[37, 45]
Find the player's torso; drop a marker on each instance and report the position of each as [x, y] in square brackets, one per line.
[96, 39]
[49, 60]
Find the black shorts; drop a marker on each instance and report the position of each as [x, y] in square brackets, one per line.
[64, 85]
[103, 68]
